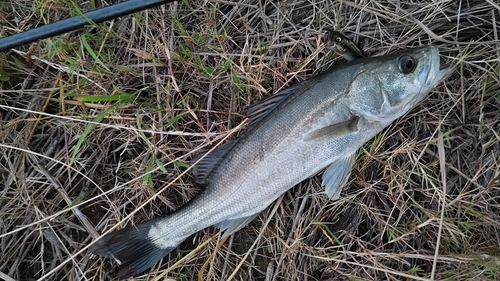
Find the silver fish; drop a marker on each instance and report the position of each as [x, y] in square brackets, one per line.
[316, 124]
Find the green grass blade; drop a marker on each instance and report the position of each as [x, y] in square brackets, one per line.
[87, 130]
[92, 53]
[97, 98]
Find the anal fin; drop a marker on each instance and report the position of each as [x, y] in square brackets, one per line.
[231, 226]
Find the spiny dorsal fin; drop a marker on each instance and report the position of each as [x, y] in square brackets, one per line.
[260, 109]
[257, 111]
[254, 113]
[201, 170]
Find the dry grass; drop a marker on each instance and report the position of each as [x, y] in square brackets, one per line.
[103, 119]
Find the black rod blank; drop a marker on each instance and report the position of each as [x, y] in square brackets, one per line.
[73, 23]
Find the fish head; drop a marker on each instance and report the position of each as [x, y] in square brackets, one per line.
[386, 87]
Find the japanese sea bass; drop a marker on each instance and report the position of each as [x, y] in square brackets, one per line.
[316, 124]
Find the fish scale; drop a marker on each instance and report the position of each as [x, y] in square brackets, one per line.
[319, 123]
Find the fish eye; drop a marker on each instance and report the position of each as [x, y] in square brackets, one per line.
[407, 64]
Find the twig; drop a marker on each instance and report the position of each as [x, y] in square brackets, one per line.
[442, 166]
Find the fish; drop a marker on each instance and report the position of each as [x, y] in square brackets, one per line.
[315, 125]
[341, 45]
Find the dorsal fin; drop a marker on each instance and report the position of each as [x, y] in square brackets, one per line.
[201, 170]
[254, 113]
[257, 111]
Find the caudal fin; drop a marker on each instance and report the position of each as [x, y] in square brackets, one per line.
[131, 248]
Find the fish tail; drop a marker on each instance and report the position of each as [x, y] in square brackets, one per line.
[132, 248]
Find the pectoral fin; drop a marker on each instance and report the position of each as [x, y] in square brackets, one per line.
[334, 130]
[335, 177]
[231, 226]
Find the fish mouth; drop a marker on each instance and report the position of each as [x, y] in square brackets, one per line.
[431, 75]
[442, 74]
[444, 69]
[437, 72]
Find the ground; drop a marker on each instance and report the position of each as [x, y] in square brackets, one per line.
[98, 127]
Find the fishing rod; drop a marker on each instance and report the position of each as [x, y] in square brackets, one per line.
[76, 22]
